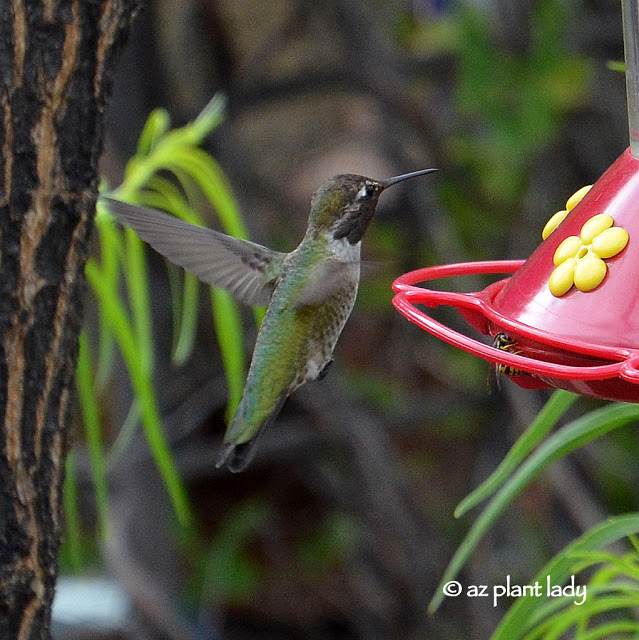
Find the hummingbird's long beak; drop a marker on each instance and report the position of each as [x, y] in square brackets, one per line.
[387, 183]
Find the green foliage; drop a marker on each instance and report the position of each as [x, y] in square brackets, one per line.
[71, 555]
[507, 485]
[170, 172]
[328, 546]
[380, 391]
[91, 418]
[79, 549]
[140, 373]
[227, 571]
[614, 588]
[197, 174]
[509, 103]
[535, 91]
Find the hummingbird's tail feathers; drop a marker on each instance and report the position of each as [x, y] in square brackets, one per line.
[236, 457]
[245, 269]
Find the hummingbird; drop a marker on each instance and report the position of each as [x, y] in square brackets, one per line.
[309, 292]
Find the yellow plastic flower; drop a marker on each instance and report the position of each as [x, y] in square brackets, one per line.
[558, 218]
[579, 260]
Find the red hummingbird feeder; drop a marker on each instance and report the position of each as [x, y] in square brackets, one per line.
[567, 317]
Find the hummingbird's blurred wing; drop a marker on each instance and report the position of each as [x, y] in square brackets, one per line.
[326, 280]
[247, 270]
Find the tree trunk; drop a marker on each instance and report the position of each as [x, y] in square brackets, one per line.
[56, 58]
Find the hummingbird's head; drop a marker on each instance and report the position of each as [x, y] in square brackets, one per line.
[344, 205]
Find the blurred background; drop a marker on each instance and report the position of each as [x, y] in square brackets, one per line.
[343, 525]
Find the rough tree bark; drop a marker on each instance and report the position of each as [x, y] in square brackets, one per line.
[56, 58]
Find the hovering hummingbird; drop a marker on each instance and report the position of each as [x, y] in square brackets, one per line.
[310, 292]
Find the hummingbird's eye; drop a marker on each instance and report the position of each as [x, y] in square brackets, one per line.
[366, 191]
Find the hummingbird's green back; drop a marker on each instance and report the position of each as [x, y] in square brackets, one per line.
[296, 340]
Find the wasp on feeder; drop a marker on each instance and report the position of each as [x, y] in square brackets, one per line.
[504, 342]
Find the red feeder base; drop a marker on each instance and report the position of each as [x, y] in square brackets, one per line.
[585, 341]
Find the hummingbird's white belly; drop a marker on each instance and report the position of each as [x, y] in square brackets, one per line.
[332, 317]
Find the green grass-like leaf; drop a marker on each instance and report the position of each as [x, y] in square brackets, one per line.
[614, 565]
[72, 543]
[163, 194]
[111, 253]
[113, 310]
[559, 624]
[616, 65]
[125, 435]
[138, 288]
[185, 308]
[606, 631]
[228, 326]
[155, 128]
[215, 186]
[91, 419]
[548, 417]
